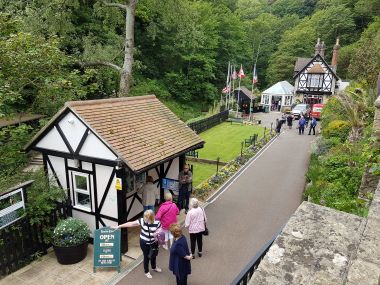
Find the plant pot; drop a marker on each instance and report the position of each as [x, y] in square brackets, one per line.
[71, 254]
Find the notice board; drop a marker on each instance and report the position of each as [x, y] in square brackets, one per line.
[107, 248]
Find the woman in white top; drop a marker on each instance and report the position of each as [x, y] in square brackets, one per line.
[196, 221]
[149, 226]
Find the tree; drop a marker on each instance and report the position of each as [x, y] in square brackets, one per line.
[125, 71]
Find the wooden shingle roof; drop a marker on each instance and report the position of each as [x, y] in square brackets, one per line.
[141, 130]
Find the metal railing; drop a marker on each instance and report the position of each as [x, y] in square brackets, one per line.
[246, 274]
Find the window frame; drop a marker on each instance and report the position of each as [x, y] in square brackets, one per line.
[77, 190]
[312, 77]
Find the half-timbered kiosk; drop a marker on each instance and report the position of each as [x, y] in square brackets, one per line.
[100, 151]
[316, 80]
[278, 96]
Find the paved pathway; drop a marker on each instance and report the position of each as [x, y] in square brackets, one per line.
[246, 215]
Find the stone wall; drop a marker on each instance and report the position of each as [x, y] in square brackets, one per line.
[323, 246]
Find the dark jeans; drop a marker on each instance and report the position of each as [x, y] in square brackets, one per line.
[196, 239]
[145, 249]
[312, 127]
[301, 129]
[183, 198]
[182, 280]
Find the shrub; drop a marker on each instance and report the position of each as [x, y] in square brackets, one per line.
[337, 128]
[70, 232]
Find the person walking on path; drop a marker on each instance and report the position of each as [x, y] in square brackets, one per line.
[313, 124]
[278, 126]
[289, 120]
[185, 178]
[179, 261]
[301, 125]
[149, 226]
[149, 194]
[167, 215]
[195, 221]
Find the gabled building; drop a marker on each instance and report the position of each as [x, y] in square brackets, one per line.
[100, 152]
[314, 79]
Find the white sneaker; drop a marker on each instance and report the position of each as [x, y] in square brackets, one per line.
[148, 275]
[165, 247]
[157, 269]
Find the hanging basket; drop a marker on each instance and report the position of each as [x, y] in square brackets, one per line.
[71, 254]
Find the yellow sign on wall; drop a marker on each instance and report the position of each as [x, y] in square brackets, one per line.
[118, 185]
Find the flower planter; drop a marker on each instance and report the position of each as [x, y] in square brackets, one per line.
[71, 254]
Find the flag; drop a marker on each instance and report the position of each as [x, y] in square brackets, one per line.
[254, 75]
[241, 74]
[234, 75]
[226, 89]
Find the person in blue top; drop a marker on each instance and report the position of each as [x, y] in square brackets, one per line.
[179, 261]
[301, 125]
[312, 125]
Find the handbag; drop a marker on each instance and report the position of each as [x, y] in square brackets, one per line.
[205, 232]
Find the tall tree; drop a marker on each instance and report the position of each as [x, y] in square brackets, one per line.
[125, 71]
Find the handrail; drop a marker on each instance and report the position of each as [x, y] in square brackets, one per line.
[244, 276]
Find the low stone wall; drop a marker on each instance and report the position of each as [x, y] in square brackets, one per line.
[323, 246]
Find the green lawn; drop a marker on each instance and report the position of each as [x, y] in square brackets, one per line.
[202, 171]
[225, 139]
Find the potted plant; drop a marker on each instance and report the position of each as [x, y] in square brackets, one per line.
[70, 240]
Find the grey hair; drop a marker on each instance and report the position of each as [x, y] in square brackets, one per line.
[194, 203]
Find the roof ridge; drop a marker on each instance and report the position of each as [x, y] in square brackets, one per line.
[108, 100]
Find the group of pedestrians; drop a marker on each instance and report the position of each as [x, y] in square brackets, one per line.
[165, 221]
[303, 123]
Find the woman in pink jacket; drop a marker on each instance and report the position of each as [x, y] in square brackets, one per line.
[196, 221]
[167, 215]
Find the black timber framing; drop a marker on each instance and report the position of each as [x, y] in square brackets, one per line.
[53, 171]
[65, 140]
[317, 58]
[97, 212]
[82, 140]
[122, 207]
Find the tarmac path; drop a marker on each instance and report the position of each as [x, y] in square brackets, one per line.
[245, 216]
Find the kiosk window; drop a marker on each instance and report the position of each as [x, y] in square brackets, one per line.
[82, 196]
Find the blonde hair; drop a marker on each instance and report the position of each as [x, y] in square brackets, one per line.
[149, 216]
[176, 230]
[168, 196]
[194, 203]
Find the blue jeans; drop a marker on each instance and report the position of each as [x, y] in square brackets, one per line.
[150, 207]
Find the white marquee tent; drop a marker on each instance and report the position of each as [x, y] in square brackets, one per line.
[278, 96]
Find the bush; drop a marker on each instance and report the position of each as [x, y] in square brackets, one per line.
[338, 129]
[70, 232]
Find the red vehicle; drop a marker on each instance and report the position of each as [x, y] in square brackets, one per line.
[316, 111]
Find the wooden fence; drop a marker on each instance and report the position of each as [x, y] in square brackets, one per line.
[21, 242]
[208, 123]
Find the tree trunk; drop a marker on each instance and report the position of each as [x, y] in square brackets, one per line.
[126, 71]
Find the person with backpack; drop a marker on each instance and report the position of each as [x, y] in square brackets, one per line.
[167, 215]
[312, 125]
[301, 125]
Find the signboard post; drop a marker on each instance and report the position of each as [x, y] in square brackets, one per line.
[107, 248]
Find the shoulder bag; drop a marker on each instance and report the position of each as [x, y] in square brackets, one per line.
[205, 232]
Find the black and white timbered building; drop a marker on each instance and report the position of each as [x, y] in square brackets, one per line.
[316, 80]
[100, 151]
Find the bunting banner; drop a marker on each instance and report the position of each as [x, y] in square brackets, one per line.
[241, 74]
[254, 75]
[226, 90]
[234, 75]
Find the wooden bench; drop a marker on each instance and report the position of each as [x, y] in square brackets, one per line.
[251, 140]
[235, 120]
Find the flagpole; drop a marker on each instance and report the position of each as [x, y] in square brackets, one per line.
[227, 82]
[233, 90]
[238, 97]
